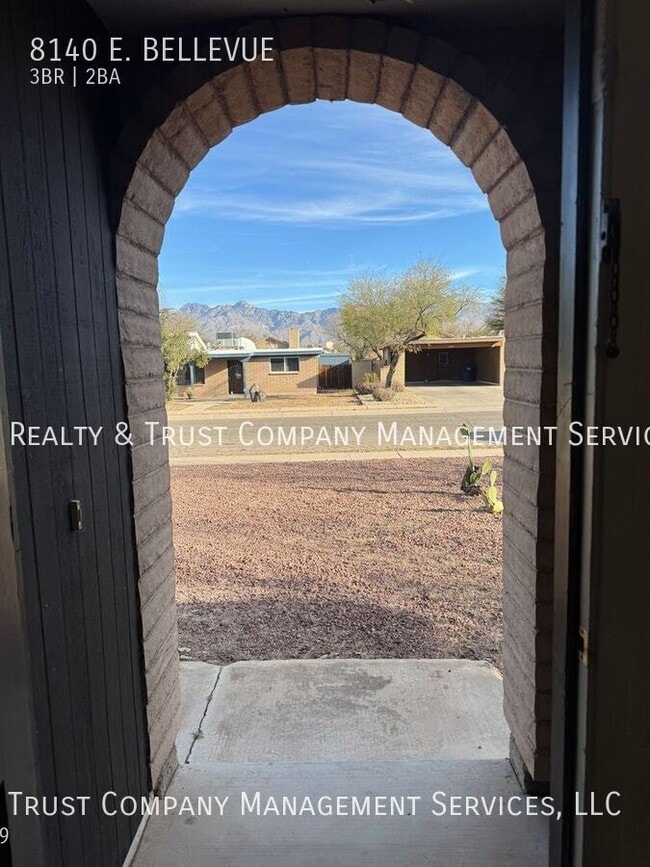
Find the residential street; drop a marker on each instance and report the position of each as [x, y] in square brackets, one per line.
[330, 425]
[253, 434]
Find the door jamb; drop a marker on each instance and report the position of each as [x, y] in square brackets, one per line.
[572, 386]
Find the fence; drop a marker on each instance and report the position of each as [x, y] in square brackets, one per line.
[335, 376]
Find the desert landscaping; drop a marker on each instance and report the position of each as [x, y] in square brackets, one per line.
[383, 558]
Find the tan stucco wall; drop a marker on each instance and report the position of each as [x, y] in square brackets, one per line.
[399, 377]
[361, 368]
[488, 364]
[271, 343]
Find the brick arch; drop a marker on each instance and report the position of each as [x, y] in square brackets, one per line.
[433, 86]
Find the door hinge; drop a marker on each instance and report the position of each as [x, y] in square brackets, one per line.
[583, 652]
[610, 249]
[610, 230]
[76, 515]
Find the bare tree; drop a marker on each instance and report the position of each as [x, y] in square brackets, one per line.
[496, 318]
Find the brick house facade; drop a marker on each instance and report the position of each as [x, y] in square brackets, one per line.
[304, 380]
[272, 371]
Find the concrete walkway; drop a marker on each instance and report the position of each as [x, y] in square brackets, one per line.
[334, 763]
[468, 398]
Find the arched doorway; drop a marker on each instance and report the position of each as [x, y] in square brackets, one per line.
[453, 96]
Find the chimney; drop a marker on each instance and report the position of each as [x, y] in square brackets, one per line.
[294, 338]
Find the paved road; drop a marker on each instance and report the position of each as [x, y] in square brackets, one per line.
[420, 429]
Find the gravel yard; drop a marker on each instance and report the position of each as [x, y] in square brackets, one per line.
[322, 402]
[337, 559]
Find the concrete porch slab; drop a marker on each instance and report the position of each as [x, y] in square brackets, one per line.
[352, 710]
[198, 680]
[415, 840]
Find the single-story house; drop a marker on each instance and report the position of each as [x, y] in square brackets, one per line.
[236, 364]
[452, 359]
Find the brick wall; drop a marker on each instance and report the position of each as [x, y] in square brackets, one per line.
[305, 381]
[215, 384]
[216, 379]
[513, 153]
[257, 371]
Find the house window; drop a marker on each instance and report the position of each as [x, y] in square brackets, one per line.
[285, 364]
[199, 375]
[443, 359]
[189, 374]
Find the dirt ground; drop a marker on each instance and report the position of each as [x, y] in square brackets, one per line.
[341, 559]
[324, 400]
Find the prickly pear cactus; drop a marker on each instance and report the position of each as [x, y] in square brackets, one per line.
[471, 479]
[490, 496]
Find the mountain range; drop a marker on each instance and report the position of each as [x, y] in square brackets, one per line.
[247, 320]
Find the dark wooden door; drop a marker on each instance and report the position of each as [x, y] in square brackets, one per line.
[235, 377]
[63, 367]
[443, 365]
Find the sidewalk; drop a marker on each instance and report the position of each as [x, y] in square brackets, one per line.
[337, 435]
[245, 409]
[463, 400]
[302, 457]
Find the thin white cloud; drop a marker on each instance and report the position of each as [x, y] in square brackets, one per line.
[315, 284]
[464, 273]
[317, 169]
[359, 166]
[383, 171]
[280, 276]
[381, 206]
[307, 285]
[298, 299]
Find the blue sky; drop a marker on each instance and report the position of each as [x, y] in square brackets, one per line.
[292, 206]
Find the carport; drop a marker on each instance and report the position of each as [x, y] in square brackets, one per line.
[455, 360]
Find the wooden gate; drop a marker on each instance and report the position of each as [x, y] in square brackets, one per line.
[335, 376]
